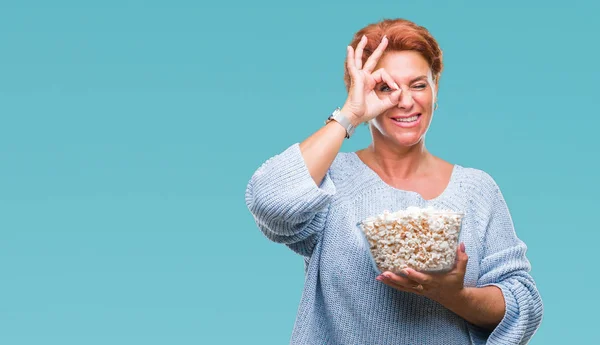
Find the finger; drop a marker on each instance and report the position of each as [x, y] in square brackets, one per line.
[462, 259]
[384, 102]
[381, 75]
[401, 284]
[356, 81]
[394, 279]
[372, 60]
[350, 63]
[359, 51]
[387, 78]
[418, 277]
[398, 287]
[394, 98]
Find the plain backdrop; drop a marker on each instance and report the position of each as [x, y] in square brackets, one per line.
[130, 129]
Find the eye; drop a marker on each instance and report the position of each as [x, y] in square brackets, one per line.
[420, 86]
[383, 87]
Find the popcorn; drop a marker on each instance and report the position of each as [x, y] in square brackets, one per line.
[424, 239]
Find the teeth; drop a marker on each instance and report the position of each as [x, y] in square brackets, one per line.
[408, 119]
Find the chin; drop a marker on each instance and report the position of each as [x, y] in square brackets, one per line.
[408, 139]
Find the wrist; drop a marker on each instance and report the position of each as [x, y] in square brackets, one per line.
[355, 120]
[455, 299]
[344, 120]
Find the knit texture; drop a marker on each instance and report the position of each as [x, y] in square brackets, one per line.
[342, 303]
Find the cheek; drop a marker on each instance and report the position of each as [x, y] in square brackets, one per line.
[425, 99]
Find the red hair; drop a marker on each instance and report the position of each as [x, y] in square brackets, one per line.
[402, 34]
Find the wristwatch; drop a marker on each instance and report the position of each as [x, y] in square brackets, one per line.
[343, 120]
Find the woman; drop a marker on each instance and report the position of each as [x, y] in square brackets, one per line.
[310, 197]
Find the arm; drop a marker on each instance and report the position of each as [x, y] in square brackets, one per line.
[289, 194]
[319, 150]
[505, 307]
[483, 307]
[288, 204]
[504, 266]
[480, 306]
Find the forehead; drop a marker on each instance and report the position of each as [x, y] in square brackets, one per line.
[404, 64]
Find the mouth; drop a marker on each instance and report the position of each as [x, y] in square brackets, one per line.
[407, 121]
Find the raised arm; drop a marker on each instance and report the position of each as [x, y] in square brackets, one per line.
[290, 193]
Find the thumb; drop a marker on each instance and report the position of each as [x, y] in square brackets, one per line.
[391, 100]
[461, 258]
[395, 96]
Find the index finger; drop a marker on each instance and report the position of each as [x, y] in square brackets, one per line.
[372, 60]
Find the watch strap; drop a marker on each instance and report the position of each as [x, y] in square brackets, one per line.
[343, 120]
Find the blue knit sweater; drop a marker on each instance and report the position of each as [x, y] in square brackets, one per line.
[342, 303]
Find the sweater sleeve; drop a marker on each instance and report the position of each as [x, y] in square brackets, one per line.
[287, 205]
[505, 265]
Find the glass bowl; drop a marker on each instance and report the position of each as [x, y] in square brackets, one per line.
[425, 240]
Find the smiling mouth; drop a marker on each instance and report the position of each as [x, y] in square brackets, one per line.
[407, 119]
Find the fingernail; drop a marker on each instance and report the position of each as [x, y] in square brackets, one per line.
[404, 273]
[384, 36]
[380, 278]
[462, 247]
[396, 86]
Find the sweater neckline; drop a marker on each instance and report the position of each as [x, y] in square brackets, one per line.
[447, 191]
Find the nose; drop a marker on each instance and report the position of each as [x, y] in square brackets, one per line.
[406, 100]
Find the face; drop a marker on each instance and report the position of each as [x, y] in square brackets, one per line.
[412, 73]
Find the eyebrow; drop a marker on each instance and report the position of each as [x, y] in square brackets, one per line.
[418, 78]
[421, 77]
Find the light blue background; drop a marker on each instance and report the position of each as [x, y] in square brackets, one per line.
[129, 130]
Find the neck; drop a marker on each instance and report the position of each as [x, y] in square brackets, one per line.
[401, 162]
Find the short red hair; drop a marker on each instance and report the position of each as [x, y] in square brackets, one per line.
[402, 34]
